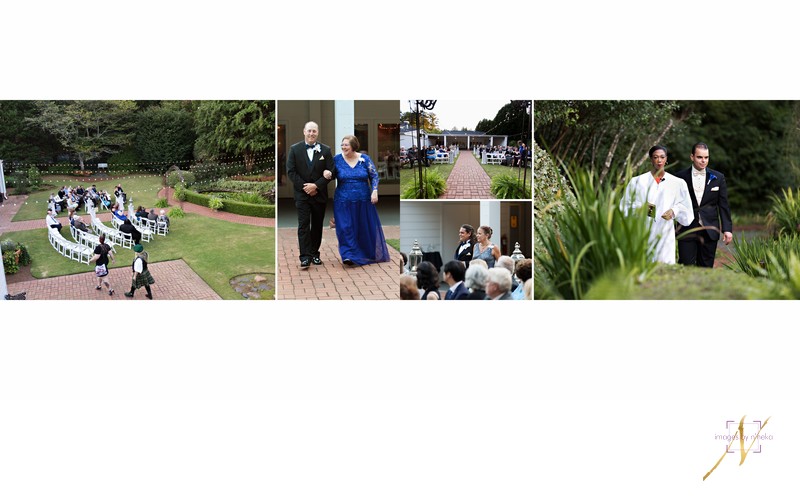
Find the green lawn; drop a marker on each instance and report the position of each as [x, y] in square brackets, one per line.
[394, 243]
[216, 250]
[678, 282]
[140, 188]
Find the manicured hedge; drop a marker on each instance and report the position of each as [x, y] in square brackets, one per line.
[243, 208]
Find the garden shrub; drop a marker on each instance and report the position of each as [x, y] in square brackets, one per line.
[245, 209]
[433, 183]
[176, 212]
[34, 178]
[215, 203]
[162, 203]
[174, 178]
[15, 255]
[508, 187]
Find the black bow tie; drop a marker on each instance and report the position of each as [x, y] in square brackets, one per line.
[310, 146]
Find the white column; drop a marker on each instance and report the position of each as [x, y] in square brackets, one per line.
[490, 216]
[344, 121]
[3, 287]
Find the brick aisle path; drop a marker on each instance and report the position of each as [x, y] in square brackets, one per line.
[174, 281]
[467, 180]
[332, 279]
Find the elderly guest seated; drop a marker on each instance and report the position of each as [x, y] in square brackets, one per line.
[78, 223]
[475, 279]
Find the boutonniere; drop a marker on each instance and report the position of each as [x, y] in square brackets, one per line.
[361, 159]
[711, 178]
[317, 148]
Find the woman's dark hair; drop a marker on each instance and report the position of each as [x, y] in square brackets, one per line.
[524, 269]
[655, 148]
[487, 230]
[471, 231]
[427, 276]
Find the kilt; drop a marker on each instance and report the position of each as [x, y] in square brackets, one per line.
[143, 279]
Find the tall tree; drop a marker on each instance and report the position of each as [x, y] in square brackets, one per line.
[235, 127]
[513, 119]
[89, 128]
[428, 120]
[164, 133]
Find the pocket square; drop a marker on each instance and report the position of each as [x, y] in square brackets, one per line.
[322, 158]
[714, 189]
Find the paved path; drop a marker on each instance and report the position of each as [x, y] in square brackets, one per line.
[468, 180]
[188, 207]
[174, 281]
[333, 280]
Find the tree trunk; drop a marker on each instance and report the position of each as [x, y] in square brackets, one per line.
[610, 156]
[249, 160]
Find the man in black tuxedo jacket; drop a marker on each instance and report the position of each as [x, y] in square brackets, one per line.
[304, 166]
[453, 273]
[709, 194]
[466, 241]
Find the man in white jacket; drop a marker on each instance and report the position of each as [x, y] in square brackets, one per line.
[667, 198]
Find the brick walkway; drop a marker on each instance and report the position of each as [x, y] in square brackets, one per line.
[174, 281]
[333, 280]
[468, 180]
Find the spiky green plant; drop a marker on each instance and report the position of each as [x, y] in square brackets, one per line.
[433, 184]
[508, 187]
[588, 238]
[784, 217]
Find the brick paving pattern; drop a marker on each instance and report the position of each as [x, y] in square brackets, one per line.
[175, 280]
[468, 180]
[333, 280]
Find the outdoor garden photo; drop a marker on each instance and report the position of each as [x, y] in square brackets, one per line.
[687, 200]
[137, 200]
[465, 149]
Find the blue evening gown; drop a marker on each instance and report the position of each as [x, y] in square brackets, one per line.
[358, 227]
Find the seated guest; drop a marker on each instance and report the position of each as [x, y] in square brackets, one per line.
[453, 273]
[507, 263]
[152, 216]
[475, 279]
[141, 212]
[163, 218]
[408, 288]
[105, 199]
[127, 227]
[428, 281]
[51, 221]
[78, 223]
[119, 213]
[524, 273]
[498, 285]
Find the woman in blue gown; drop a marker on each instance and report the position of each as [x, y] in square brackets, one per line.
[358, 228]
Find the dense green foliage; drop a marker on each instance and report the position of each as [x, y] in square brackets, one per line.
[21, 141]
[231, 206]
[513, 119]
[164, 134]
[15, 255]
[235, 128]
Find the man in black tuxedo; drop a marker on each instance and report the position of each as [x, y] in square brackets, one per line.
[709, 195]
[466, 241]
[304, 166]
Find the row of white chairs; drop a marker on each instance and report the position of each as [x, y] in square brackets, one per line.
[71, 250]
[88, 239]
[153, 226]
[147, 235]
